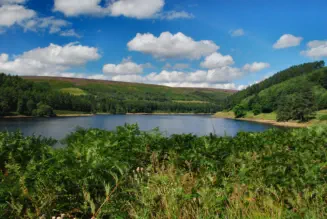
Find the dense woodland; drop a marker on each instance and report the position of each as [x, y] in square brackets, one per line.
[40, 98]
[295, 94]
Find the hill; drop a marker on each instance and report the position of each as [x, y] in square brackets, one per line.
[131, 91]
[42, 95]
[295, 93]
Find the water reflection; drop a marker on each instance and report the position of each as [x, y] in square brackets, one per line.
[58, 128]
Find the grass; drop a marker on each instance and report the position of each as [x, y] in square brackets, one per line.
[74, 91]
[68, 112]
[263, 116]
[190, 101]
[249, 115]
[225, 114]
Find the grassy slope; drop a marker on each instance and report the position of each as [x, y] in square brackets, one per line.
[74, 91]
[134, 90]
[270, 118]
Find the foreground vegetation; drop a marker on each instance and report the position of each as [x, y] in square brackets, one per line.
[132, 174]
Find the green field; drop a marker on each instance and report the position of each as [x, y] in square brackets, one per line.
[73, 91]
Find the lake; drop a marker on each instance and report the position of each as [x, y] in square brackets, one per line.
[59, 127]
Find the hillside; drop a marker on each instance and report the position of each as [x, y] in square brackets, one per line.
[277, 78]
[132, 91]
[46, 96]
[294, 94]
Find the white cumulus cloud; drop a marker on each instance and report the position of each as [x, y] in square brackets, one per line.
[217, 60]
[287, 40]
[139, 9]
[316, 49]
[51, 60]
[14, 14]
[256, 66]
[169, 45]
[127, 67]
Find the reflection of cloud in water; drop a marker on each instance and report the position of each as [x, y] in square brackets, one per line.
[58, 128]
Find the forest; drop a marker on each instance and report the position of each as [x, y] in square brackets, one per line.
[294, 94]
[128, 173]
[42, 98]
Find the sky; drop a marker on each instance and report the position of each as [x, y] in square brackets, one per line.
[228, 44]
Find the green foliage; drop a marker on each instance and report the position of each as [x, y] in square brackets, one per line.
[298, 106]
[239, 111]
[323, 118]
[44, 110]
[132, 174]
[280, 77]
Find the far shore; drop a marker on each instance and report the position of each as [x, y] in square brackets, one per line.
[89, 115]
[291, 124]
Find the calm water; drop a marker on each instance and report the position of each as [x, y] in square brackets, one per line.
[58, 128]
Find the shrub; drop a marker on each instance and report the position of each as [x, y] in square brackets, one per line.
[239, 111]
[128, 173]
[44, 110]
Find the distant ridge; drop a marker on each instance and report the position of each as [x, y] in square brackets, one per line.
[84, 81]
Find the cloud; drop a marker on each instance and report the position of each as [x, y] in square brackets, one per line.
[168, 45]
[126, 67]
[51, 60]
[8, 2]
[287, 40]
[139, 9]
[78, 7]
[316, 49]
[3, 58]
[177, 66]
[237, 32]
[69, 33]
[217, 60]
[162, 80]
[171, 15]
[14, 14]
[256, 66]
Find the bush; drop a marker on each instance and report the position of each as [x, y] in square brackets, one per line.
[44, 110]
[323, 117]
[239, 111]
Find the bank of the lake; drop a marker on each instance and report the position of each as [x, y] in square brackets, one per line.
[84, 114]
[270, 118]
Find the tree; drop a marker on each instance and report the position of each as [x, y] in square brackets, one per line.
[30, 105]
[4, 107]
[44, 110]
[299, 106]
[239, 111]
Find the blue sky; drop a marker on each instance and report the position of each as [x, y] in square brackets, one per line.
[207, 43]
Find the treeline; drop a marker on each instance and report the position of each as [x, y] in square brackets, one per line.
[39, 99]
[281, 76]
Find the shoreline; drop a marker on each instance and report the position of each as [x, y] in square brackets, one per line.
[169, 114]
[90, 115]
[270, 122]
